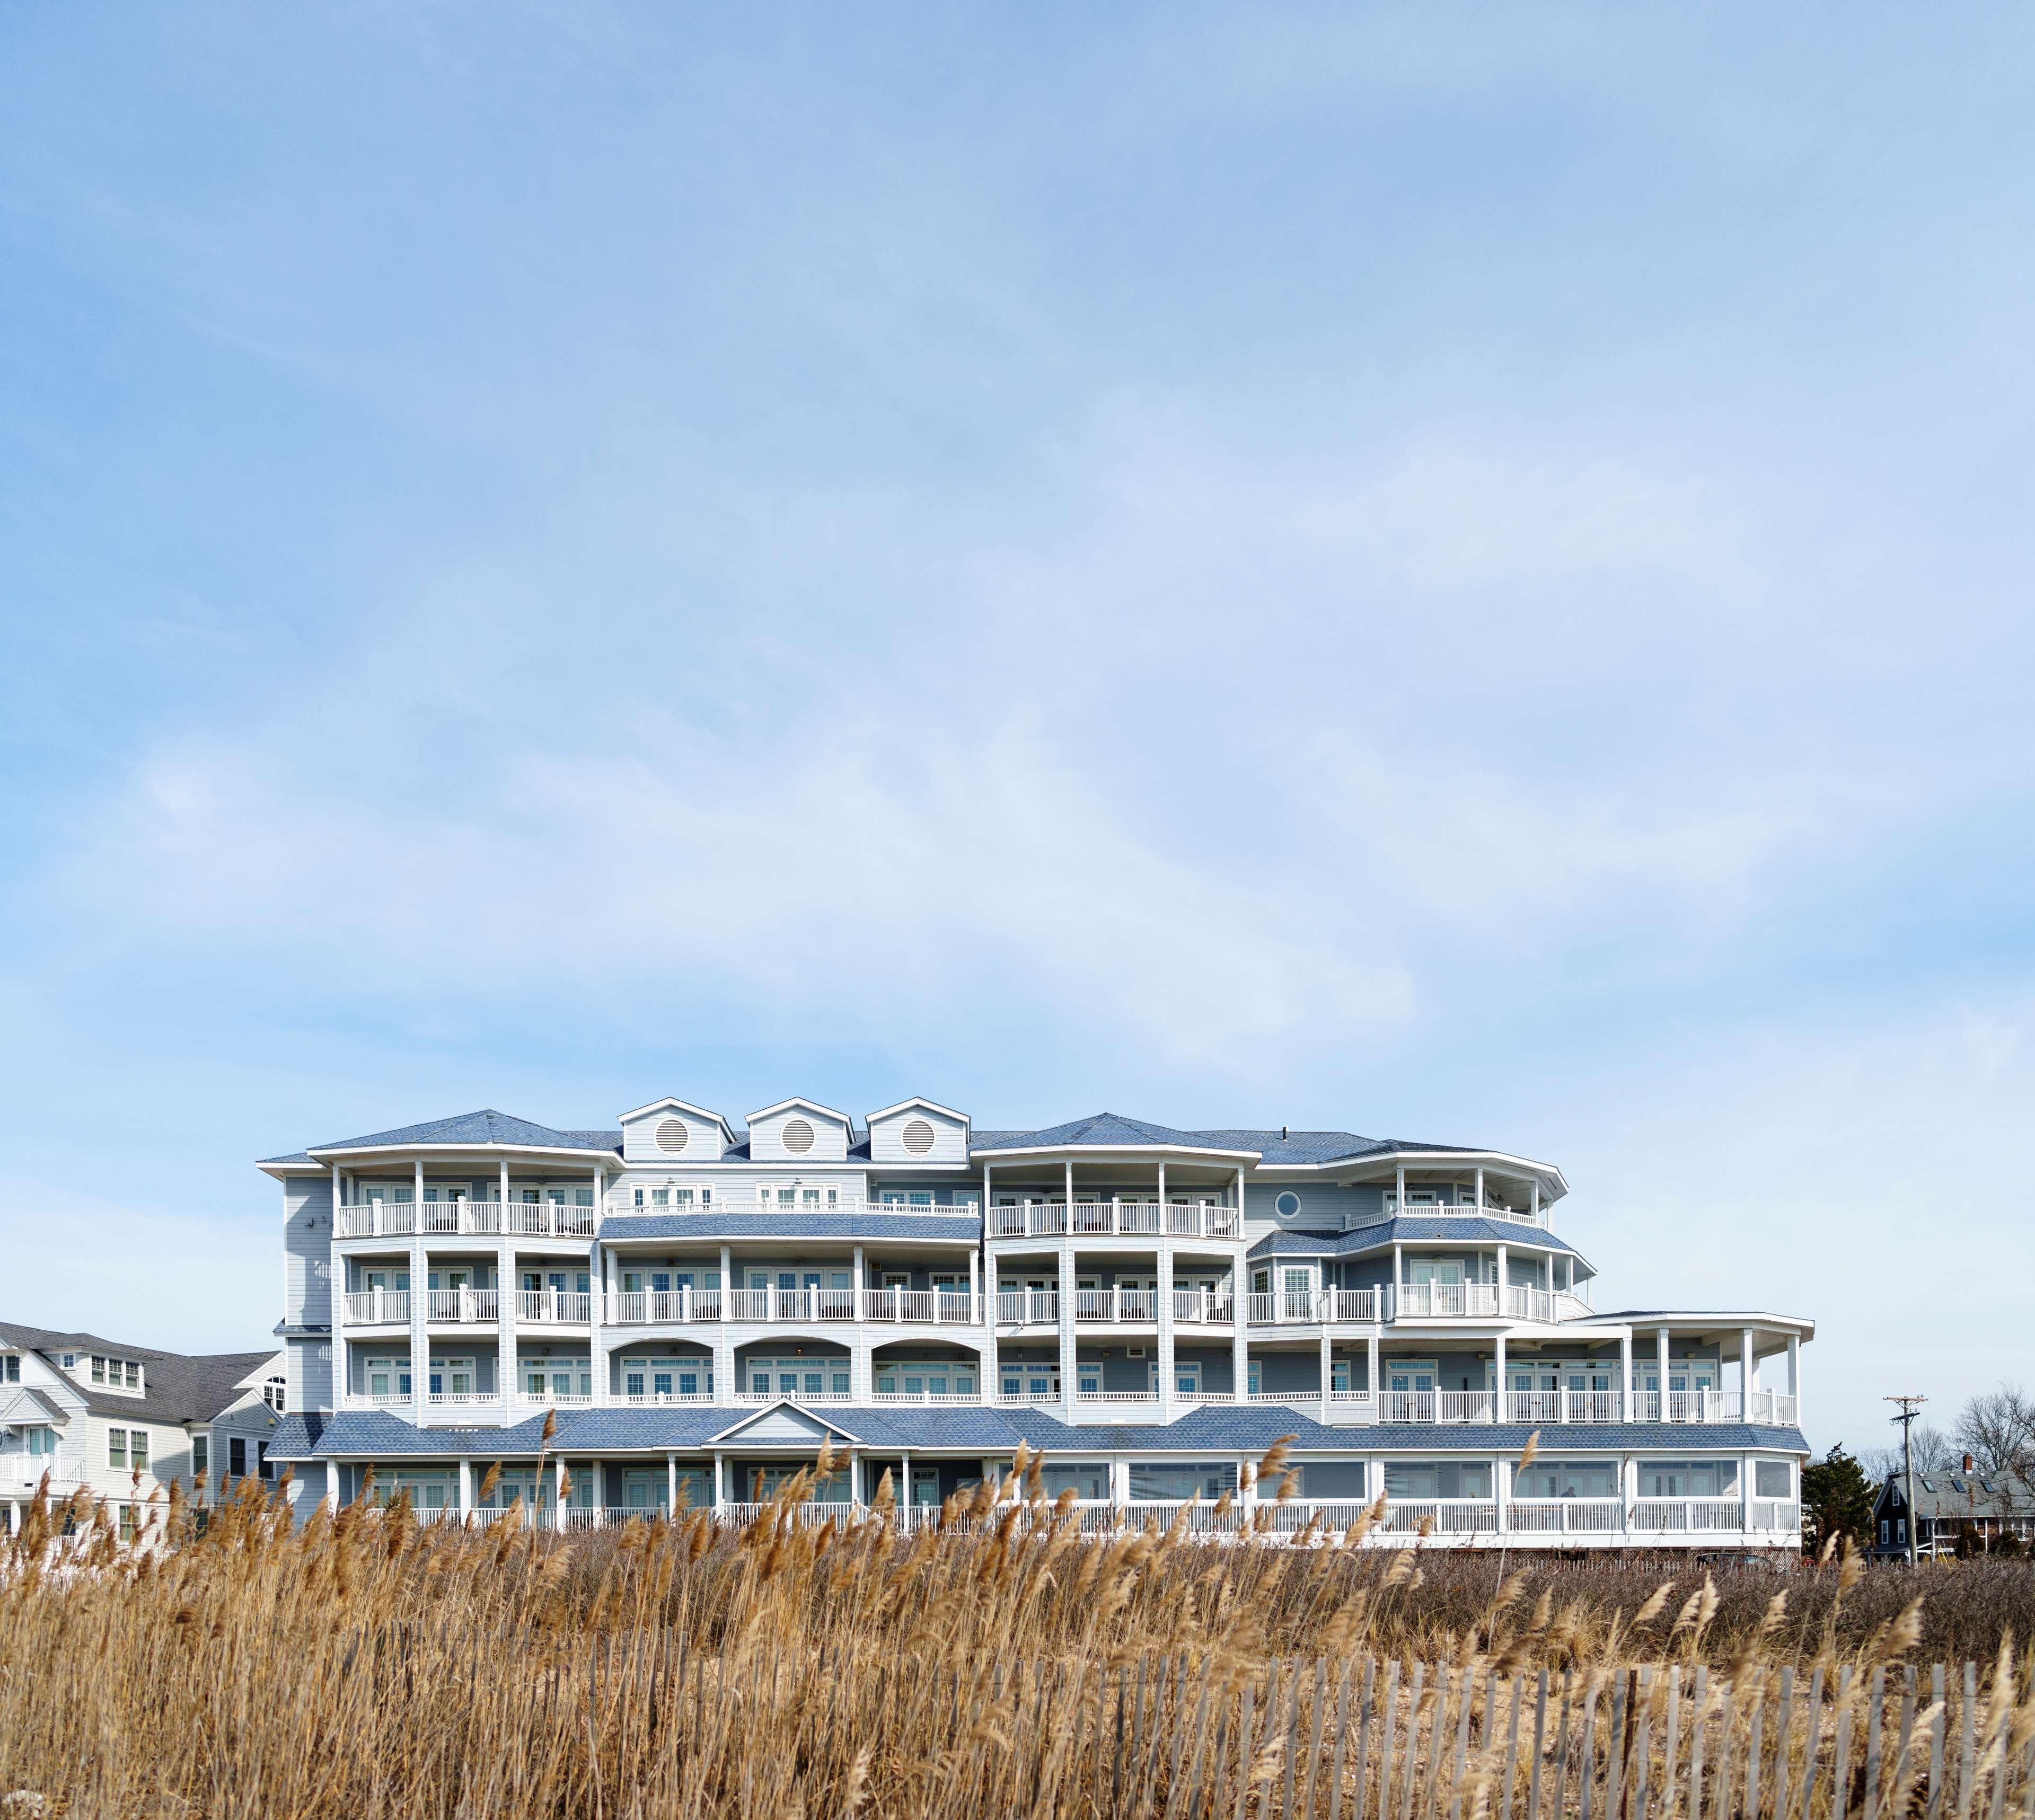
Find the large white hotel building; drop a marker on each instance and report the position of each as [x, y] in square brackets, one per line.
[696, 1306]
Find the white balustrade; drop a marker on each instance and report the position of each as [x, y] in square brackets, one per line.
[1565, 1516]
[372, 1307]
[467, 1305]
[1115, 1219]
[1203, 1307]
[557, 1305]
[1029, 1308]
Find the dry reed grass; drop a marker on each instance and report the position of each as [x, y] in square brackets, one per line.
[364, 1664]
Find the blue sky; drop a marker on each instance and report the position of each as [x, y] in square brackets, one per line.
[1448, 575]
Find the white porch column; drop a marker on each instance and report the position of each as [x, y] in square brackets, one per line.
[1745, 1491]
[1660, 1365]
[465, 1487]
[559, 1489]
[974, 1283]
[1398, 1277]
[420, 1339]
[1480, 1187]
[724, 1386]
[1069, 1356]
[1536, 1200]
[1328, 1369]
[1399, 1191]
[506, 1369]
[1504, 1284]
[1166, 1380]
[671, 1485]
[1795, 1373]
[1746, 1368]
[904, 1474]
[1501, 1493]
[1497, 1389]
[720, 1483]
[1372, 1368]
[1625, 1374]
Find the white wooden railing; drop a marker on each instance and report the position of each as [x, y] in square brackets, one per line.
[1203, 1307]
[637, 1307]
[1304, 1307]
[462, 1305]
[1565, 1516]
[1115, 1218]
[467, 1218]
[948, 1307]
[1466, 1210]
[375, 1307]
[1116, 1305]
[1321, 1519]
[555, 1305]
[1029, 1308]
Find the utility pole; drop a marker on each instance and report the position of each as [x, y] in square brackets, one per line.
[1911, 1407]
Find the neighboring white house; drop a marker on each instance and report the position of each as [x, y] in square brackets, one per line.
[699, 1304]
[92, 1412]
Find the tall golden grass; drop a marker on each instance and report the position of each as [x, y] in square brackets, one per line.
[364, 1664]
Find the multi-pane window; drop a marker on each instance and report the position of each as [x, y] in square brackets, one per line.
[200, 1453]
[41, 1441]
[1446, 1479]
[1772, 1479]
[116, 1374]
[236, 1456]
[275, 1393]
[1688, 1479]
[1566, 1479]
[1163, 1479]
[116, 1448]
[10, 1367]
[137, 1449]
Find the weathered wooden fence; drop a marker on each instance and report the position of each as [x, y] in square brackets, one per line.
[1173, 1738]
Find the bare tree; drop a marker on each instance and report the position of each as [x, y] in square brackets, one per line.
[1934, 1453]
[1997, 1429]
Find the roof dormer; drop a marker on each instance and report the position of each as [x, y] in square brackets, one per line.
[671, 1131]
[918, 1130]
[798, 1131]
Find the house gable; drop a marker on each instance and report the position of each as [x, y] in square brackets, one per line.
[798, 1131]
[670, 1130]
[784, 1423]
[918, 1131]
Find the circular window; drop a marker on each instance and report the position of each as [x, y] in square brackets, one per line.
[918, 1137]
[671, 1136]
[798, 1136]
[1288, 1204]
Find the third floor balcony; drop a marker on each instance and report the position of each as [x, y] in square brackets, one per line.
[1115, 1219]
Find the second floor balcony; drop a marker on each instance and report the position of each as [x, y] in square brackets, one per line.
[795, 1307]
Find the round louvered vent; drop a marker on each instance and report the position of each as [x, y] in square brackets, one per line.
[918, 1137]
[798, 1136]
[671, 1136]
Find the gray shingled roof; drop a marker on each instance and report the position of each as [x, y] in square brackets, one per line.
[1102, 1130]
[1415, 1228]
[486, 1126]
[1232, 1428]
[177, 1387]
